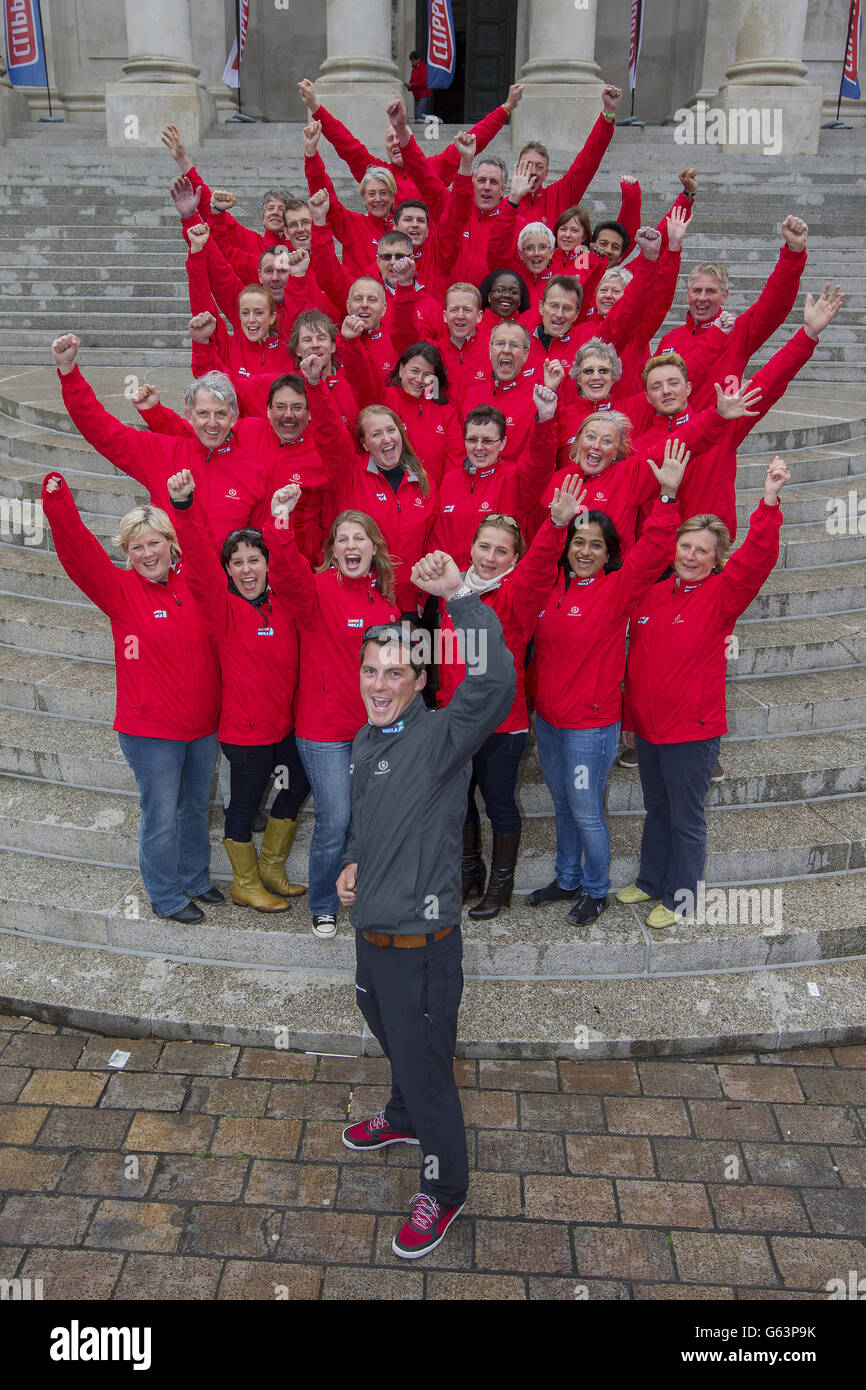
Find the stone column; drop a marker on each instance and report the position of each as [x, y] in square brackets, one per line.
[358, 77]
[767, 82]
[161, 85]
[562, 96]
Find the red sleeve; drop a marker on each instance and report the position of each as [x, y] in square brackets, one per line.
[535, 574]
[775, 377]
[161, 419]
[404, 322]
[202, 212]
[225, 284]
[330, 275]
[660, 296]
[79, 552]
[231, 235]
[630, 209]
[334, 443]
[447, 236]
[620, 324]
[455, 445]
[446, 164]
[348, 147]
[751, 563]
[533, 471]
[340, 219]
[361, 372]
[591, 279]
[201, 567]
[294, 578]
[502, 242]
[574, 183]
[681, 201]
[425, 178]
[773, 305]
[649, 557]
[201, 301]
[135, 452]
[206, 358]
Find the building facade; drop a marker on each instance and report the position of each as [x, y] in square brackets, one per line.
[164, 59]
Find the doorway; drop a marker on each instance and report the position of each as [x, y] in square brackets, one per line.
[484, 34]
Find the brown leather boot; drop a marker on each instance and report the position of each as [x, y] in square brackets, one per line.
[501, 883]
[472, 866]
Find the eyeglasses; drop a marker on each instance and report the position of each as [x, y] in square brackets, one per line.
[595, 371]
[391, 255]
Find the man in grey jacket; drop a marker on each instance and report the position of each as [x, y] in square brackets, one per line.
[410, 777]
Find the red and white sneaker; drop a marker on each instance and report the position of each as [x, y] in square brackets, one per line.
[425, 1228]
[375, 1134]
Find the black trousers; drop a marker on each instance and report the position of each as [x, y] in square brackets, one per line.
[675, 779]
[251, 767]
[494, 769]
[410, 999]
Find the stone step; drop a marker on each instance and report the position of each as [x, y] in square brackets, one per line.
[774, 705]
[66, 629]
[63, 686]
[808, 546]
[770, 840]
[811, 465]
[805, 502]
[788, 593]
[109, 493]
[116, 992]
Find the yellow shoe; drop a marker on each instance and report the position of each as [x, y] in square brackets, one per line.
[247, 888]
[632, 894]
[661, 916]
[277, 841]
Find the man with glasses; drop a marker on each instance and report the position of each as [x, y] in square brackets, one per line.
[410, 776]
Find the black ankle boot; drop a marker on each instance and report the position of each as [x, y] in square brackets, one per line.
[501, 883]
[472, 866]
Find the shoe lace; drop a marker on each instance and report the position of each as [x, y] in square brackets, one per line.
[425, 1211]
[378, 1122]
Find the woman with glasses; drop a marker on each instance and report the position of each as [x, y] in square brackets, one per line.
[514, 588]
[352, 589]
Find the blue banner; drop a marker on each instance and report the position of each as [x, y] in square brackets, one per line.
[25, 55]
[851, 76]
[441, 48]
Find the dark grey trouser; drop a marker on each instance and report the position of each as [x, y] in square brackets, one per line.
[675, 779]
[410, 999]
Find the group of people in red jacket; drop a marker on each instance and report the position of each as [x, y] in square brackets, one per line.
[471, 376]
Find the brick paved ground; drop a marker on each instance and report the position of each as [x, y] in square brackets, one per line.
[203, 1171]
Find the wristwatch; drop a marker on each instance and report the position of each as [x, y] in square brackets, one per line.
[666, 497]
[463, 592]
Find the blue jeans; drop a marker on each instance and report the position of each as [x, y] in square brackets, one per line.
[174, 780]
[576, 764]
[674, 779]
[327, 767]
[422, 107]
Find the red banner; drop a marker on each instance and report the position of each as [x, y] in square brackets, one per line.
[232, 74]
[635, 40]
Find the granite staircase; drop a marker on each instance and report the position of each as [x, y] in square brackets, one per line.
[90, 244]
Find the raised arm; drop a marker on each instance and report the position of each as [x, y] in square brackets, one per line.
[129, 449]
[577, 178]
[201, 567]
[629, 205]
[78, 550]
[348, 147]
[295, 582]
[419, 168]
[532, 472]
[333, 441]
[752, 562]
[485, 695]
[779, 295]
[361, 371]
[445, 164]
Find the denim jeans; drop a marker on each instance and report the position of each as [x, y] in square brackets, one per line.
[327, 767]
[174, 780]
[494, 770]
[576, 763]
[675, 779]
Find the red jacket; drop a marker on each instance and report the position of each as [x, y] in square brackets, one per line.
[228, 230]
[580, 635]
[358, 232]
[466, 497]
[621, 488]
[547, 204]
[443, 164]
[230, 479]
[433, 430]
[417, 83]
[514, 399]
[516, 602]
[257, 645]
[253, 388]
[168, 683]
[405, 517]
[712, 355]
[682, 630]
[331, 611]
[213, 286]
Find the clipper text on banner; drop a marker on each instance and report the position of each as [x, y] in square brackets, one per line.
[851, 75]
[635, 41]
[231, 76]
[25, 55]
[441, 47]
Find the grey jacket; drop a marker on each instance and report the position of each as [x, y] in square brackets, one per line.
[409, 789]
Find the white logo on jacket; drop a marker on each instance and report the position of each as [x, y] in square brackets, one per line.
[382, 768]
